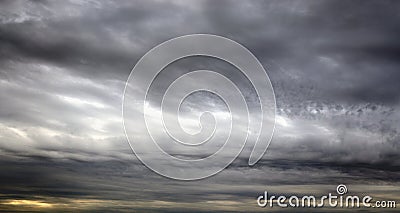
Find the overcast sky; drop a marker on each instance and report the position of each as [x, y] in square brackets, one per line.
[334, 66]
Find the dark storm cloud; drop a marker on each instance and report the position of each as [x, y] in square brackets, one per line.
[110, 36]
[119, 185]
[346, 48]
[349, 35]
[334, 66]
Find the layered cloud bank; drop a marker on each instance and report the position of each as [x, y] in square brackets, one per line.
[334, 67]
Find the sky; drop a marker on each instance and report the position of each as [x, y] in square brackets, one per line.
[334, 67]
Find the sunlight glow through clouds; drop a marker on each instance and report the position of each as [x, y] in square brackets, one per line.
[80, 102]
[30, 203]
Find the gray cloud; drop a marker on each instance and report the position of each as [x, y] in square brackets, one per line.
[334, 67]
